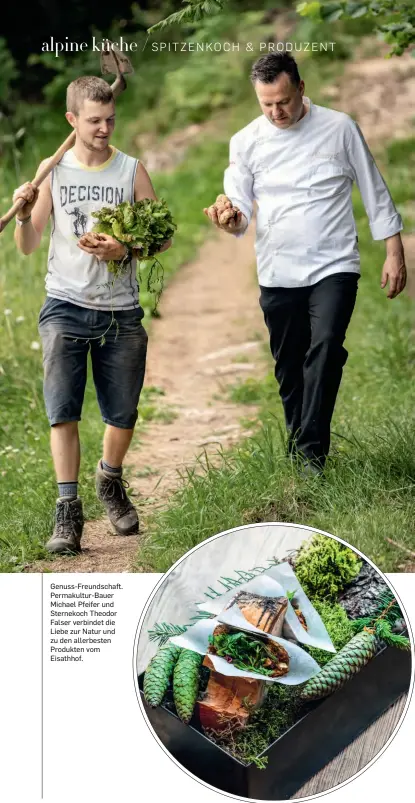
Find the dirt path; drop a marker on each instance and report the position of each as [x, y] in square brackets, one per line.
[209, 334]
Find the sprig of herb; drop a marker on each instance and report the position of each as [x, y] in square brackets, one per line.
[383, 621]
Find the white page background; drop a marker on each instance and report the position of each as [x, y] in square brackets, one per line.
[97, 746]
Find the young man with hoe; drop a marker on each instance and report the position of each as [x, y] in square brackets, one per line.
[81, 303]
[298, 161]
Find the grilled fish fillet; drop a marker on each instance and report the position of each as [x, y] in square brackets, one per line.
[266, 613]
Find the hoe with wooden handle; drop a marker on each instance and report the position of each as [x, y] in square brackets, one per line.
[112, 61]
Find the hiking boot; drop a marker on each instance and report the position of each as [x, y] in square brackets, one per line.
[67, 533]
[311, 469]
[111, 491]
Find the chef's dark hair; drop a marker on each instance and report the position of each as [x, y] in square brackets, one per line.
[269, 67]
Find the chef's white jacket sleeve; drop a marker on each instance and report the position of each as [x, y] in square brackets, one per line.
[238, 180]
[384, 220]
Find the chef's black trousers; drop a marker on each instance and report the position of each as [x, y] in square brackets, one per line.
[307, 327]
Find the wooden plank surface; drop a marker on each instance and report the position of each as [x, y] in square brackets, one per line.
[357, 755]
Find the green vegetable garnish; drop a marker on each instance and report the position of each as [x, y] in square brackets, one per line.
[145, 225]
[245, 652]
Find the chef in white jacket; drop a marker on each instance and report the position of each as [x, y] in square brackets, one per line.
[298, 161]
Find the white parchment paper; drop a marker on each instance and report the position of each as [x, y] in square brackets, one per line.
[316, 635]
[276, 582]
[302, 666]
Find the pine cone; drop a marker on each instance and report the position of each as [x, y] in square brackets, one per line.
[354, 655]
[186, 683]
[159, 672]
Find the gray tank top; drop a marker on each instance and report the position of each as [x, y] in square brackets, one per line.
[77, 191]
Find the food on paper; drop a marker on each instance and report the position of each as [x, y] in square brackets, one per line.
[249, 653]
[266, 613]
[297, 610]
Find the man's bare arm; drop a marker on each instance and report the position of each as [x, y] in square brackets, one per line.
[143, 188]
[39, 206]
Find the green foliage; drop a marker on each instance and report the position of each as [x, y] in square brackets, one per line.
[201, 82]
[193, 11]
[162, 632]
[251, 390]
[324, 567]
[395, 19]
[246, 653]
[145, 225]
[401, 152]
[384, 632]
[195, 92]
[383, 620]
[339, 627]
[63, 70]
[8, 72]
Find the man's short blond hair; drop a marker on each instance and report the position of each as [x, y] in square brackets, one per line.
[88, 87]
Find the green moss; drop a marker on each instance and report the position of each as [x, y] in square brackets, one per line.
[324, 567]
[279, 711]
[339, 627]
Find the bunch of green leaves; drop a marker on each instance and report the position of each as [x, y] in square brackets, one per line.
[383, 621]
[193, 11]
[145, 225]
[244, 652]
[395, 19]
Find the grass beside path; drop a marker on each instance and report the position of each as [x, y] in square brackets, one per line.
[368, 492]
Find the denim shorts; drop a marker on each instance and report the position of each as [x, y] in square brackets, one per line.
[68, 333]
